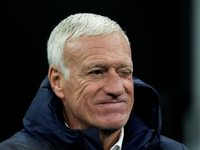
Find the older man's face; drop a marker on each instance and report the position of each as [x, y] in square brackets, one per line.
[99, 91]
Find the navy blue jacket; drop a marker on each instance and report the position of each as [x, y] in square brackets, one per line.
[44, 128]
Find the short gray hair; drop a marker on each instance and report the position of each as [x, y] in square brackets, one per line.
[73, 27]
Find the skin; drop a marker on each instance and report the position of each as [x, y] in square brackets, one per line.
[99, 91]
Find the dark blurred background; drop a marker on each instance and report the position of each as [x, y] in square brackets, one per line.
[159, 32]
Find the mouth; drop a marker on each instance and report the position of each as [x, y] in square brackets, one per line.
[111, 108]
[108, 100]
[118, 104]
[111, 102]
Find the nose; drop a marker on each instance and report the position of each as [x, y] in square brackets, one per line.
[114, 86]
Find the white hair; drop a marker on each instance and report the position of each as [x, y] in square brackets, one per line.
[73, 27]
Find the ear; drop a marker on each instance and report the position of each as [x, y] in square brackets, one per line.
[55, 81]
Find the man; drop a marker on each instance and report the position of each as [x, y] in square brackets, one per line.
[86, 102]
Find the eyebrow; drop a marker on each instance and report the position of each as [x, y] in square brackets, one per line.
[126, 66]
[96, 66]
[102, 65]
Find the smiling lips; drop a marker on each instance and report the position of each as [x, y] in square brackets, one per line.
[113, 102]
[110, 100]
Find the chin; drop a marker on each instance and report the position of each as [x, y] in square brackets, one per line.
[109, 130]
[112, 125]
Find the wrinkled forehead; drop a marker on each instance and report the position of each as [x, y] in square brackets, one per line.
[113, 42]
[109, 48]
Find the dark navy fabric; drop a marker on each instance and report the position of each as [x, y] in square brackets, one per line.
[44, 127]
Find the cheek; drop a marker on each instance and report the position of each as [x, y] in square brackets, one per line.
[87, 94]
[74, 88]
[83, 107]
[80, 95]
[128, 85]
[87, 98]
[129, 89]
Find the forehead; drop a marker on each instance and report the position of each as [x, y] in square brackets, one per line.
[114, 45]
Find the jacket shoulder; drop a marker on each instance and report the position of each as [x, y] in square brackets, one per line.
[169, 144]
[23, 141]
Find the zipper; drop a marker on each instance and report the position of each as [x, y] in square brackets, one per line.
[148, 146]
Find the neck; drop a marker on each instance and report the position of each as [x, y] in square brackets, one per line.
[109, 138]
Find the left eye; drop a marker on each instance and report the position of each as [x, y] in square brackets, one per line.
[96, 72]
[125, 73]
